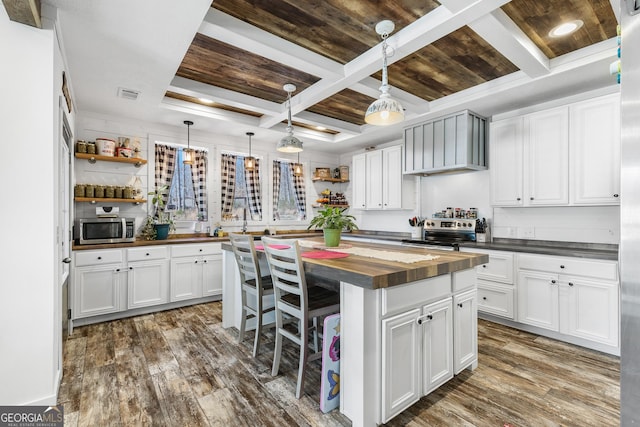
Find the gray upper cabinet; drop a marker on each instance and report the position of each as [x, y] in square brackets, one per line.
[453, 143]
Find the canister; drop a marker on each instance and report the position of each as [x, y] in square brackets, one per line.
[109, 192]
[117, 191]
[91, 147]
[78, 190]
[99, 191]
[89, 190]
[81, 146]
[127, 193]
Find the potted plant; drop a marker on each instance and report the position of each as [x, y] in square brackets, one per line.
[333, 220]
[158, 226]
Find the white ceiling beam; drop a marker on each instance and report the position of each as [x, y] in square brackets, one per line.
[209, 112]
[508, 39]
[221, 26]
[615, 5]
[314, 119]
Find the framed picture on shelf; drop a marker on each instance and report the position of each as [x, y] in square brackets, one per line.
[322, 173]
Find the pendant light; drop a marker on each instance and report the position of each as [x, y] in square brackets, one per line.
[249, 162]
[297, 167]
[289, 143]
[188, 153]
[385, 110]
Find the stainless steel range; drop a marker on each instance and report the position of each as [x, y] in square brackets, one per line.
[446, 233]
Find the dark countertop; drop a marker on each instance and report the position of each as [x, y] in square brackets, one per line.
[571, 249]
[374, 273]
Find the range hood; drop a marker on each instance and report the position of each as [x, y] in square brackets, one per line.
[450, 144]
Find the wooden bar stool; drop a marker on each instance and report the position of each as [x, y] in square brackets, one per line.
[253, 283]
[296, 303]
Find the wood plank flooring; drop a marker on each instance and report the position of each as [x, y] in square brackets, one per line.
[181, 368]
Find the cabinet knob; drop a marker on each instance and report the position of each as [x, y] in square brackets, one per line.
[196, 261]
[117, 270]
[562, 266]
[147, 253]
[200, 250]
[484, 265]
[130, 268]
[616, 195]
[518, 199]
[553, 282]
[570, 284]
[205, 261]
[460, 305]
[530, 198]
[484, 298]
[99, 257]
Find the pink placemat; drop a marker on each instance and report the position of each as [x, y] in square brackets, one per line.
[261, 248]
[323, 254]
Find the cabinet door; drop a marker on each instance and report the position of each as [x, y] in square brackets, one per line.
[595, 151]
[359, 181]
[437, 345]
[97, 290]
[506, 167]
[547, 160]
[212, 275]
[148, 283]
[186, 278]
[538, 299]
[401, 384]
[590, 309]
[495, 298]
[392, 179]
[465, 330]
[374, 176]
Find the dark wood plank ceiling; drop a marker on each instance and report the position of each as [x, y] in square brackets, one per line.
[344, 29]
[454, 63]
[219, 64]
[537, 18]
[338, 29]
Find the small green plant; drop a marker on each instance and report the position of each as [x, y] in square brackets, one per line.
[148, 230]
[333, 218]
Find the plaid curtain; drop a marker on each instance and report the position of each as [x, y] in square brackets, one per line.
[252, 179]
[165, 159]
[199, 180]
[276, 188]
[299, 193]
[228, 184]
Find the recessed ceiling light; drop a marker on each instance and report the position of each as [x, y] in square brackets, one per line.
[566, 28]
[206, 100]
[321, 128]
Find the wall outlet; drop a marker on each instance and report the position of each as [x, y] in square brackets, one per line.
[526, 232]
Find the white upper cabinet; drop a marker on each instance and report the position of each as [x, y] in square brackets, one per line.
[505, 163]
[595, 151]
[378, 182]
[568, 155]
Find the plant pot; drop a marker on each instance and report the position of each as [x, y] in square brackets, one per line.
[162, 231]
[331, 237]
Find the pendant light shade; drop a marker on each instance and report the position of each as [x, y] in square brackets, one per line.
[385, 110]
[187, 153]
[249, 162]
[297, 167]
[289, 143]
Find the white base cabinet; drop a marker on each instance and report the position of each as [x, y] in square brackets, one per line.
[577, 297]
[112, 281]
[465, 330]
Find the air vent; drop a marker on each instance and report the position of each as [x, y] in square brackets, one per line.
[128, 93]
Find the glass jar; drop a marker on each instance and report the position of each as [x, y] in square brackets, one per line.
[91, 148]
[117, 192]
[99, 191]
[89, 190]
[127, 193]
[473, 213]
[78, 190]
[81, 146]
[109, 192]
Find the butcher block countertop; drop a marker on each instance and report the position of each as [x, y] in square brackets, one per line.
[374, 273]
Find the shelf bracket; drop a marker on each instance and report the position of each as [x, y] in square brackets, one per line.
[138, 164]
[91, 160]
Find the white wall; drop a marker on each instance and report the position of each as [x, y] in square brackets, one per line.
[29, 110]
[91, 126]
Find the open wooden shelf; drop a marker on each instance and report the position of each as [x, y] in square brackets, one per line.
[92, 158]
[108, 200]
[331, 180]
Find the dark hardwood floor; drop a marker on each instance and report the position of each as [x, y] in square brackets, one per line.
[181, 368]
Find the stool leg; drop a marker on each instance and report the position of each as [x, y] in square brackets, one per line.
[243, 316]
[256, 341]
[278, 349]
[304, 352]
[315, 334]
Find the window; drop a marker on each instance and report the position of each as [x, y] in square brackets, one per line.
[241, 198]
[187, 195]
[289, 198]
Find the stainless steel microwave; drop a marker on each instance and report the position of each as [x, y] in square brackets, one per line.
[89, 231]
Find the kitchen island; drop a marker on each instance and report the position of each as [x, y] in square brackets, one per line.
[406, 328]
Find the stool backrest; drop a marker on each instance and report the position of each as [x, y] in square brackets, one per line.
[246, 259]
[287, 274]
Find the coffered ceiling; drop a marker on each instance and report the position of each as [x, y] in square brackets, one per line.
[485, 55]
